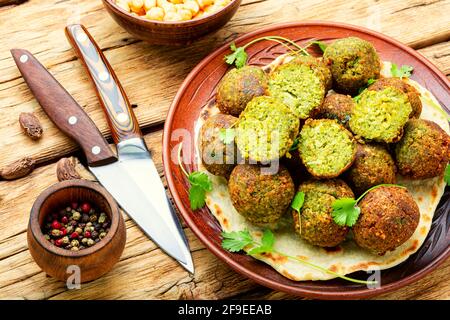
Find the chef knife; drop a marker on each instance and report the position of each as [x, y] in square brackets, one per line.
[131, 178]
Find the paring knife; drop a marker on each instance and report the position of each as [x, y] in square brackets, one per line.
[131, 178]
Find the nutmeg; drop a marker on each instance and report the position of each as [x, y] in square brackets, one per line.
[31, 125]
[18, 169]
[65, 169]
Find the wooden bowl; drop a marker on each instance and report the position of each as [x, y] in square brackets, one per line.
[93, 261]
[171, 33]
[199, 88]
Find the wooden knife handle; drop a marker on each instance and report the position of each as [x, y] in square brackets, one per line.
[121, 118]
[62, 109]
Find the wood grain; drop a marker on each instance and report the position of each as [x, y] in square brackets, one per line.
[143, 69]
[151, 75]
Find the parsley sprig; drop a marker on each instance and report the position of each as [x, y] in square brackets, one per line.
[402, 72]
[322, 45]
[239, 56]
[239, 240]
[362, 89]
[447, 175]
[346, 211]
[298, 201]
[200, 184]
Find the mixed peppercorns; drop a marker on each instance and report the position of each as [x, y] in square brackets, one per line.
[172, 10]
[76, 227]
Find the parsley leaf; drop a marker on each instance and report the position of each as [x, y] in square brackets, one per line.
[362, 89]
[402, 72]
[295, 144]
[238, 57]
[200, 184]
[200, 179]
[197, 197]
[227, 135]
[447, 175]
[298, 201]
[322, 45]
[345, 212]
[267, 241]
[236, 241]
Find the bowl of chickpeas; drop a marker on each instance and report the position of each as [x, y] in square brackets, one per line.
[171, 22]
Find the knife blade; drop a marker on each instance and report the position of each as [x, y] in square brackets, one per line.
[144, 197]
[165, 230]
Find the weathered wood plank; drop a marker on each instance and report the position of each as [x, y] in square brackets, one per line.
[143, 69]
[144, 272]
[439, 55]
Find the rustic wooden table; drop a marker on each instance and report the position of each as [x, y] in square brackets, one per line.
[144, 272]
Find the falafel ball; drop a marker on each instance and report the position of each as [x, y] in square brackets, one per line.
[298, 86]
[238, 87]
[373, 166]
[389, 216]
[336, 106]
[326, 148]
[381, 115]
[315, 223]
[319, 66]
[266, 130]
[260, 197]
[424, 150]
[353, 62]
[217, 157]
[409, 90]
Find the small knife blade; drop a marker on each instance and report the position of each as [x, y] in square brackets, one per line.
[131, 181]
[134, 181]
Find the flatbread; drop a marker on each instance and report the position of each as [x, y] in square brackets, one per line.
[347, 257]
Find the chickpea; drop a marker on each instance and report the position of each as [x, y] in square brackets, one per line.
[185, 14]
[172, 10]
[149, 4]
[205, 3]
[167, 6]
[136, 5]
[221, 3]
[124, 5]
[192, 5]
[172, 16]
[155, 13]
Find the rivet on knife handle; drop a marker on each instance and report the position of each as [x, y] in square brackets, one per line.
[63, 110]
[114, 101]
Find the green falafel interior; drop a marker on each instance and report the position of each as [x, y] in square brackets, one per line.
[327, 153]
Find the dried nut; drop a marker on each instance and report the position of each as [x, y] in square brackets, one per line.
[102, 218]
[76, 216]
[56, 233]
[31, 125]
[18, 169]
[65, 240]
[75, 243]
[65, 169]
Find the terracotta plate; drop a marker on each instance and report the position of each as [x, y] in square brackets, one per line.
[199, 88]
